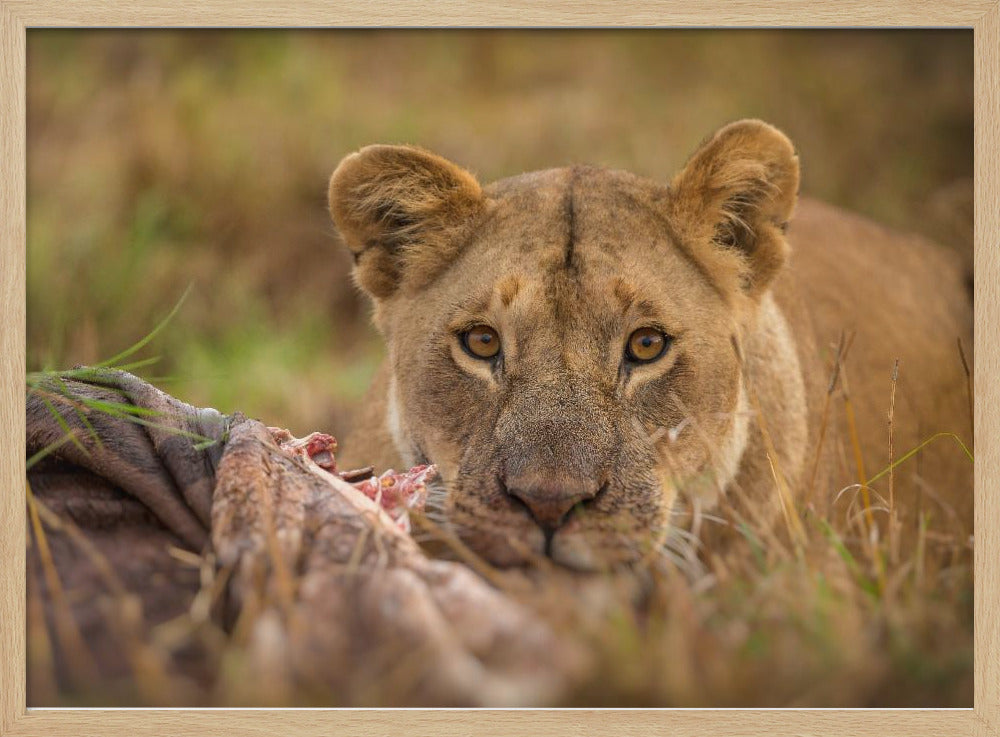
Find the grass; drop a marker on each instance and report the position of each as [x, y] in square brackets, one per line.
[214, 173]
[838, 622]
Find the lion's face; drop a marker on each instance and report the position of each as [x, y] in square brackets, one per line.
[561, 441]
[564, 344]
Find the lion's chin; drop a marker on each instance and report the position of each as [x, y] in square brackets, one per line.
[516, 545]
[573, 551]
[522, 546]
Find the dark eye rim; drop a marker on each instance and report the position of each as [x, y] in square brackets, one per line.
[668, 340]
[463, 340]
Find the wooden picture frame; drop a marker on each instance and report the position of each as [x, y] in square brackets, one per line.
[16, 16]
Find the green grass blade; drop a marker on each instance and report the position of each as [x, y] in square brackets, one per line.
[80, 414]
[68, 432]
[48, 449]
[139, 345]
[119, 409]
[914, 451]
[169, 429]
[870, 587]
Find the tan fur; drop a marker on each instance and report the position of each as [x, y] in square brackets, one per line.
[564, 264]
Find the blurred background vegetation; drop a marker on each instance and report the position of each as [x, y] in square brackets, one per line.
[162, 159]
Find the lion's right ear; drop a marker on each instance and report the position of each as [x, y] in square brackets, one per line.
[403, 212]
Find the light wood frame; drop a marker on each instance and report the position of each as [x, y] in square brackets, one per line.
[983, 16]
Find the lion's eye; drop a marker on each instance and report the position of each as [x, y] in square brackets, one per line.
[646, 344]
[481, 341]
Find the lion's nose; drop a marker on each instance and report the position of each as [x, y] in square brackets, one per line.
[550, 500]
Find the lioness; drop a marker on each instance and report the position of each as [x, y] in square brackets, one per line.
[575, 347]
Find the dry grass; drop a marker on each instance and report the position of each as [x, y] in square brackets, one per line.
[158, 160]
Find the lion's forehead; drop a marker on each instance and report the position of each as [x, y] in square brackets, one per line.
[575, 249]
[553, 216]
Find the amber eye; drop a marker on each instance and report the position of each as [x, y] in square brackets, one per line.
[645, 345]
[481, 341]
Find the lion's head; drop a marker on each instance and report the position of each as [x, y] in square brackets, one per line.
[565, 344]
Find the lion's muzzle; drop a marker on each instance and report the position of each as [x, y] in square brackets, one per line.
[551, 498]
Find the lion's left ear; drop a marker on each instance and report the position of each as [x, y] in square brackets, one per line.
[403, 212]
[733, 199]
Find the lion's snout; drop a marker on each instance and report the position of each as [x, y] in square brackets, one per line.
[550, 498]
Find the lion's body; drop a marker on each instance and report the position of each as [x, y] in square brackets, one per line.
[900, 297]
[563, 264]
